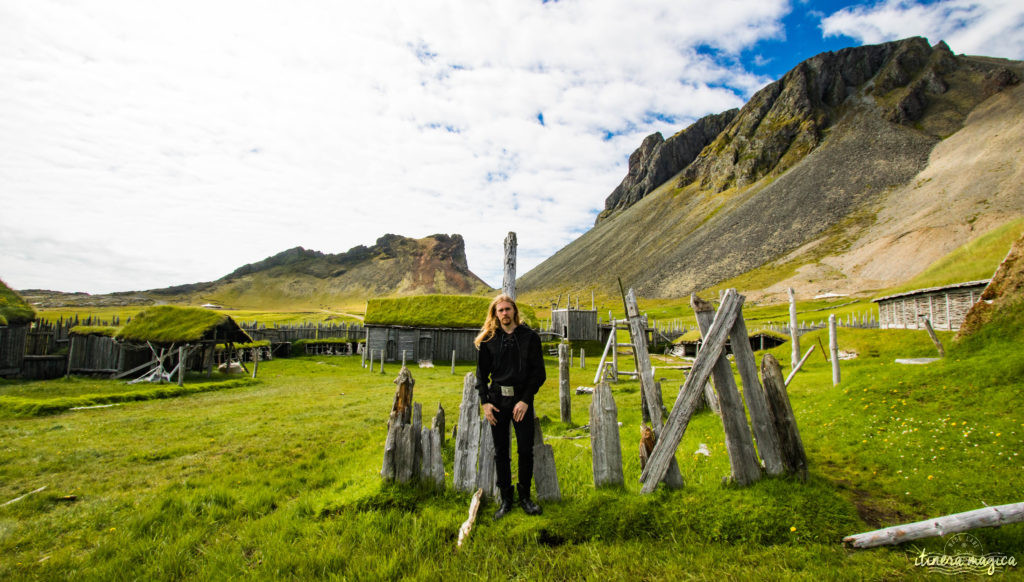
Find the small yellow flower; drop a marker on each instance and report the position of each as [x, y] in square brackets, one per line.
[930, 477]
[792, 528]
[113, 529]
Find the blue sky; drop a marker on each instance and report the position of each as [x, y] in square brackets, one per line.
[152, 144]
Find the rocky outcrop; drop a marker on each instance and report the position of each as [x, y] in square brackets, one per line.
[658, 159]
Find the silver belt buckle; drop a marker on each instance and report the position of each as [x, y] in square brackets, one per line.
[508, 390]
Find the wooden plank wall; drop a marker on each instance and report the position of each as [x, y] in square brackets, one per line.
[12, 349]
[421, 343]
[945, 309]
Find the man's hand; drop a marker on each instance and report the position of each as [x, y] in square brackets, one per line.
[519, 411]
[489, 410]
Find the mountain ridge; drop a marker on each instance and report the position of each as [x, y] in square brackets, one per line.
[394, 265]
[804, 174]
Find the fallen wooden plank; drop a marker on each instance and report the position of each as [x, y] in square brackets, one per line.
[939, 526]
[16, 499]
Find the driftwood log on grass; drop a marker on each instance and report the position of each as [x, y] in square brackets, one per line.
[939, 526]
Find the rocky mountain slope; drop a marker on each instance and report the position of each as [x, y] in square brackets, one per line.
[394, 265]
[853, 172]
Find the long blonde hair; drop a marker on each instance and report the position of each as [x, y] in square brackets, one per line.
[492, 322]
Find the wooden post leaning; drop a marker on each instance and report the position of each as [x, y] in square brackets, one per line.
[564, 398]
[791, 446]
[690, 393]
[651, 391]
[605, 445]
[760, 414]
[743, 463]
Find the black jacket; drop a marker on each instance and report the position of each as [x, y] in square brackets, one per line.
[523, 367]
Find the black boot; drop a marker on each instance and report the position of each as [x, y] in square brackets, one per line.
[504, 506]
[529, 507]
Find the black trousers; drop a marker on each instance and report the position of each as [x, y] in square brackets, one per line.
[502, 447]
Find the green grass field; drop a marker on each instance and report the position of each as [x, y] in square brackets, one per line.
[277, 478]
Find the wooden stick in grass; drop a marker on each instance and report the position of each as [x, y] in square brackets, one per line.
[474, 507]
[799, 365]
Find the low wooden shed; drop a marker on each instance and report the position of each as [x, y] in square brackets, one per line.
[944, 306]
[575, 324]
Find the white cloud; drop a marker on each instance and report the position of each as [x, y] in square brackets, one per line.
[981, 27]
[159, 143]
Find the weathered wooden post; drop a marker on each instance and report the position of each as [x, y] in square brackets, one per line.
[651, 392]
[402, 402]
[438, 422]
[606, 448]
[362, 357]
[760, 414]
[545, 478]
[794, 328]
[791, 446]
[255, 363]
[453, 362]
[833, 348]
[432, 465]
[508, 284]
[181, 366]
[583, 359]
[738, 442]
[487, 474]
[565, 404]
[467, 439]
[402, 448]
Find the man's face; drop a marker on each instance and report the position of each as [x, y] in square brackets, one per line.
[505, 312]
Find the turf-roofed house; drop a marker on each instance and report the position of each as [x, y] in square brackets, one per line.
[151, 343]
[427, 327]
[15, 317]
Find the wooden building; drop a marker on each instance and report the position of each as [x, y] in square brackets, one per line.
[421, 342]
[427, 327]
[575, 324]
[945, 306]
[15, 317]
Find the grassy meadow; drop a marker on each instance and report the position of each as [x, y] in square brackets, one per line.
[277, 477]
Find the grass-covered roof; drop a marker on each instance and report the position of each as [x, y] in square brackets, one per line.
[104, 330]
[434, 311]
[13, 309]
[694, 335]
[170, 324]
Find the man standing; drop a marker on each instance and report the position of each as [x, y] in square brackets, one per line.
[509, 371]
